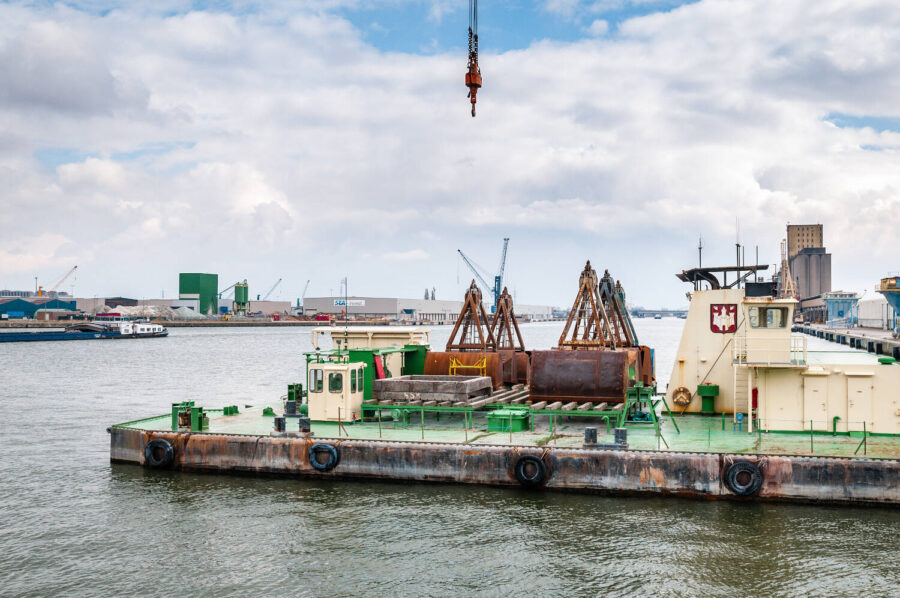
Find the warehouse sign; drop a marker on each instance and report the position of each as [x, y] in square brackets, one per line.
[349, 302]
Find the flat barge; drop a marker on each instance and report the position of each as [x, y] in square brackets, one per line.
[90, 331]
[699, 462]
[749, 414]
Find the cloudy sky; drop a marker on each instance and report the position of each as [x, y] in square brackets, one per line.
[330, 138]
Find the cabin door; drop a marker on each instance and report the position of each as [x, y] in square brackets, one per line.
[815, 402]
[859, 402]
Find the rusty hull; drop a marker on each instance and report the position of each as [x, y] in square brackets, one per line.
[809, 479]
[583, 376]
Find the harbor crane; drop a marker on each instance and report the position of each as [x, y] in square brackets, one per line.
[226, 289]
[303, 296]
[477, 270]
[52, 290]
[473, 71]
[272, 290]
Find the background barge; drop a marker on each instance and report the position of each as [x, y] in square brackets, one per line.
[90, 331]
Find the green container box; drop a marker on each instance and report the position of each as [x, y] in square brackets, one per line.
[502, 419]
[708, 393]
[708, 390]
[295, 392]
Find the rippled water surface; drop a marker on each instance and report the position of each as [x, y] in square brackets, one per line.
[73, 524]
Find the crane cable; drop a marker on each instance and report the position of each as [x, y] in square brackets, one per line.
[473, 76]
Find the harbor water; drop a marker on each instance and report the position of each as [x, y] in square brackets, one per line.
[73, 524]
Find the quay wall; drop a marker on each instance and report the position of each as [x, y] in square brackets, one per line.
[699, 475]
[873, 340]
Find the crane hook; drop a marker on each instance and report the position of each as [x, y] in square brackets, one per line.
[473, 71]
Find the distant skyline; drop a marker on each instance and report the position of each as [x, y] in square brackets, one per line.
[332, 138]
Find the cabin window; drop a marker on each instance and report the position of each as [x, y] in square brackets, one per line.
[315, 380]
[353, 375]
[335, 382]
[767, 317]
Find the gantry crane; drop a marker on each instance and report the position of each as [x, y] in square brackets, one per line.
[477, 270]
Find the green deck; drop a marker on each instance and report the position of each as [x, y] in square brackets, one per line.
[841, 357]
[694, 433]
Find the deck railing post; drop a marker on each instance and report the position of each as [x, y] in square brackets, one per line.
[466, 425]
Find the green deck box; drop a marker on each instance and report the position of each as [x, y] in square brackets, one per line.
[502, 419]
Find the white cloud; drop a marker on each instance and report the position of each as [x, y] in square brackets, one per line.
[294, 148]
[598, 28]
[27, 254]
[406, 256]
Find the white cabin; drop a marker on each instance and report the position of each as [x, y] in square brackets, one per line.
[335, 391]
[763, 371]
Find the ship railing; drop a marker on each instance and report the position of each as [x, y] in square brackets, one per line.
[821, 436]
[771, 352]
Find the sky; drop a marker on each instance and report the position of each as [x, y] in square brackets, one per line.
[327, 139]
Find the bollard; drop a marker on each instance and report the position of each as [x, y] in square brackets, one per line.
[590, 435]
[621, 435]
[279, 424]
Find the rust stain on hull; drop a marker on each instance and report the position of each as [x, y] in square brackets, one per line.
[816, 479]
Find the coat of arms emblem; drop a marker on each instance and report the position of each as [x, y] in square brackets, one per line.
[723, 317]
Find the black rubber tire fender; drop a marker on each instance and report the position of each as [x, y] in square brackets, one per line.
[159, 453]
[334, 456]
[743, 478]
[530, 470]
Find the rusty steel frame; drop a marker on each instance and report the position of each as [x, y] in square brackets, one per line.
[476, 334]
[504, 323]
[592, 326]
[610, 290]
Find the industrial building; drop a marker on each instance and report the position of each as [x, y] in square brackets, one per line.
[803, 236]
[202, 287]
[876, 312]
[25, 294]
[433, 311]
[810, 263]
[17, 307]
